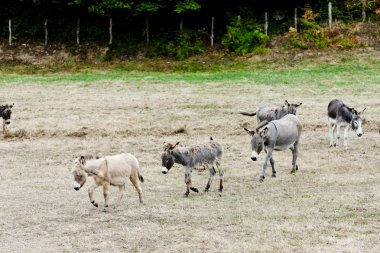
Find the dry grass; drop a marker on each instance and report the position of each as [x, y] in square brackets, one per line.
[332, 205]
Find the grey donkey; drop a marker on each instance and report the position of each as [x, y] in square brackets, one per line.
[276, 135]
[269, 113]
[191, 157]
[339, 115]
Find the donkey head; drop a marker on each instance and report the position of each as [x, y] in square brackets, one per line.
[80, 176]
[356, 122]
[257, 143]
[292, 108]
[167, 157]
[6, 113]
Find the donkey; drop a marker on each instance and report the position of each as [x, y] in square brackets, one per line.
[276, 135]
[106, 171]
[6, 112]
[339, 115]
[208, 154]
[269, 113]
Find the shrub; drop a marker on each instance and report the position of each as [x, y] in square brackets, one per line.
[181, 46]
[244, 37]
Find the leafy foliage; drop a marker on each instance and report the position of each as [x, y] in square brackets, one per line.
[105, 7]
[186, 5]
[148, 7]
[244, 37]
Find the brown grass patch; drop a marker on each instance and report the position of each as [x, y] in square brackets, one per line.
[331, 205]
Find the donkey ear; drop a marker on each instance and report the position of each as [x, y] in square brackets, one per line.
[82, 161]
[11, 105]
[362, 111]
[264, 132]
[175, 145]
[298, 104]
[249, 132]
[286, 103]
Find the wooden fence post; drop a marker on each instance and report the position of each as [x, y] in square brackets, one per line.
[147, 29]
[78, 30]
[266, 23]
[295, 20]
[212, 32]
[330, 15]
[10, 32]
[364, 5]
[110, 32]
[46, 31]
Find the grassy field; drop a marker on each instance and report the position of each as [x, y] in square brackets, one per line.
[331, 205]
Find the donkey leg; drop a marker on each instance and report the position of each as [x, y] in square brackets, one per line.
[121, 194]
[265, 165]
[136, 183]
[106, 194]
[272, 165]
[221, 174]
[337, 135]
[331, 133]
[212, 174]
[346, 137]
[91, 189]
[187, 182]
[334, 128]
[4, 127]
[295, 154]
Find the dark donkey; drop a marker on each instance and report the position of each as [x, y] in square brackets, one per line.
[339, 115]
[6, 111]
[208, 154]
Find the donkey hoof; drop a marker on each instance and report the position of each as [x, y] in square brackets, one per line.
[206, 189]
[296, 167]
[185, 195]
[95, 204]
[261, 179]
[194, 189]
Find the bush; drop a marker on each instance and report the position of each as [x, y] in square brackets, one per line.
[244, 37]
[181, 46]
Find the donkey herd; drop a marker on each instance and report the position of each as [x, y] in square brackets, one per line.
[278, 129]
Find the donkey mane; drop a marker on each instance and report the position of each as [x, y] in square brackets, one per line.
[90, 157]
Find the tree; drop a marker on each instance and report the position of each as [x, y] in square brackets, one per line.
[105, 8]
[184, 6]
[147, 8]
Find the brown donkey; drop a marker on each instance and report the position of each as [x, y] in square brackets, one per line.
[106, 171]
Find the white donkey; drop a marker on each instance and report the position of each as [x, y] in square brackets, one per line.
[339, 115]
[109, 170]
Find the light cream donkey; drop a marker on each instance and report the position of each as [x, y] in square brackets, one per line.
[106, 171]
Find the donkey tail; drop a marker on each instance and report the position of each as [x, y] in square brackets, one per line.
[248, 114]
[140, 177]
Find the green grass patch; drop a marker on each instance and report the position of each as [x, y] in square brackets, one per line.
[341, 71]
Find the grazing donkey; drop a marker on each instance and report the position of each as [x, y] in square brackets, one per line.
[339, 115]
[276, 135]
[6, 111]
[106, 171]
[269, 113]
[190, 157]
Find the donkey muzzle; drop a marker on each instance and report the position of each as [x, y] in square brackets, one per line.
[254, 158]
[7, 122]
[360, 134]
[76, 186]
[164, 170]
